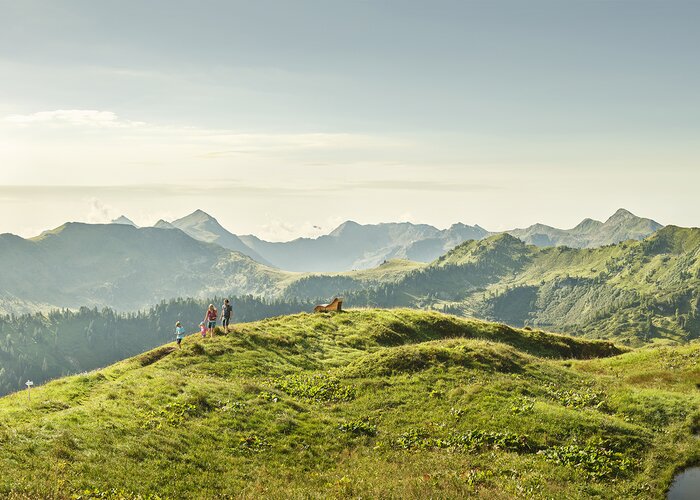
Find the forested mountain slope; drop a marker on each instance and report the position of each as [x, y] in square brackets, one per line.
[634, 291]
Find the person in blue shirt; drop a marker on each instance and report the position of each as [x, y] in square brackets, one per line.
[179, 334]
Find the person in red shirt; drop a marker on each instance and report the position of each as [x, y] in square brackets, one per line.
[210, 319]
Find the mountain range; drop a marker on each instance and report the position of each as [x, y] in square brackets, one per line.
[621, 226]
[357, 246]
[634, 291]
[121, 266]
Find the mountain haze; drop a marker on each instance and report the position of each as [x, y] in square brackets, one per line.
[363, 246]
[356, 246]
[122, 266]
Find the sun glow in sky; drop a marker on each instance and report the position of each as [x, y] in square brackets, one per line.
[279, 116]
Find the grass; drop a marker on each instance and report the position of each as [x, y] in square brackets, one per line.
[367, 403]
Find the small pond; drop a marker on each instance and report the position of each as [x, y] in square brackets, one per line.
[686, 485]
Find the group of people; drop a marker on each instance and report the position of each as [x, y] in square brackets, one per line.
[209, 324]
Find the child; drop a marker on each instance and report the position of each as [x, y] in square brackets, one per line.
[203, 329]
[179, 334]
[210, 319]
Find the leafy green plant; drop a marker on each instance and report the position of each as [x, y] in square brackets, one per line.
[470, 440]
[170, 414]
[321, 388]
[230, 406]
[112, 494]
[359, 426]
[597, 462]
[412, 438]
[457, 413]
[268, 396]
[524, 405]
[477, 477]
[578, 398]
[253, 443]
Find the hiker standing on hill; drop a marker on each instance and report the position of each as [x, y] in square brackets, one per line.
[179, 334]
[226, 312]
[210, 319]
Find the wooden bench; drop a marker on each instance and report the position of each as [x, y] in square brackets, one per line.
[336, 305]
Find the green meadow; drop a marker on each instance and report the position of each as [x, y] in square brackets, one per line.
[361, 404]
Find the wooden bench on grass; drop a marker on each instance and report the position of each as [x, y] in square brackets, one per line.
[336, 305]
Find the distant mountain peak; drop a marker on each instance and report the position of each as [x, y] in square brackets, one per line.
[623, 211]
[197, 216]
[123, 219]
[163, 224]
[587, 225]
[203, 227]
[348, 225]
[621, 215]
[201, 219]
[505, 238]
[625, 217]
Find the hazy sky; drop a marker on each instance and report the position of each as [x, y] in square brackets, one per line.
[278, 116]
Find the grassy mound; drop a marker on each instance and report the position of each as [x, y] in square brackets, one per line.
[361, 404]
[471, 354]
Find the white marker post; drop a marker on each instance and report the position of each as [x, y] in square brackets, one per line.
[29, 385]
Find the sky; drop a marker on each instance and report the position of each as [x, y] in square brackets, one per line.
[284, 118]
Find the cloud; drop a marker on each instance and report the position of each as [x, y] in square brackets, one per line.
[99, 212]
[243, 189]
[193, 142]
[76, 117]
[417, 185]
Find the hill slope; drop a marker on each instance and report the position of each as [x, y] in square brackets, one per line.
[366, 403]
[41, 347]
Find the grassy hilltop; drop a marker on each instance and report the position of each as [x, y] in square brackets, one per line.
[369, 403]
